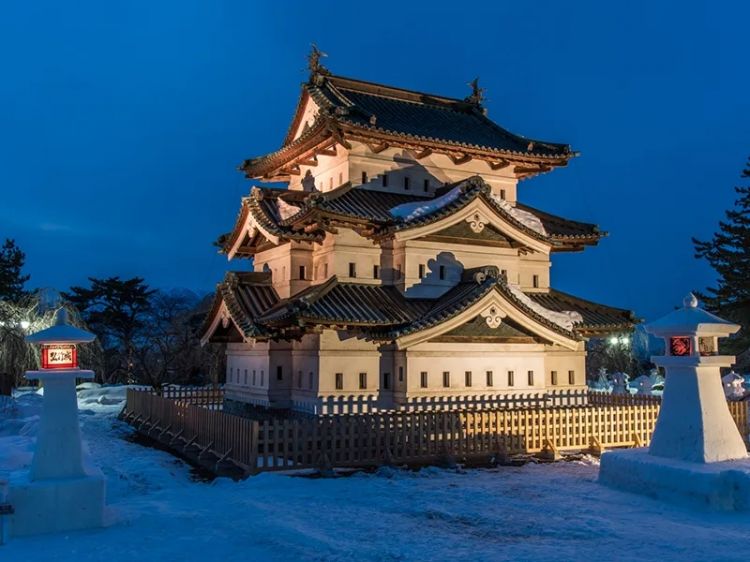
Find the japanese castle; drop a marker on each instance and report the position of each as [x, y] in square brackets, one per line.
[397, 269]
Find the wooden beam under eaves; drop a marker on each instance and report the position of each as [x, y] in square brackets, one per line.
[377, 148]
[499, 165]
[308, 162]
[329, 151]
[463, 159]
[424, 153]
[523, 170]
[293, 171]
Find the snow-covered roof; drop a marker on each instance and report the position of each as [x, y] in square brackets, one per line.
[61, 332]
[691, 320]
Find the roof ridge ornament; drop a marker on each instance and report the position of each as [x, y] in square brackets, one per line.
[317, 70]
[690, 301]
[477, 93]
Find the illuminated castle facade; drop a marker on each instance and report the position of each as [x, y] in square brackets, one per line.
[398, 269]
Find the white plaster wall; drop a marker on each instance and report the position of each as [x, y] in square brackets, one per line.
[247, 373]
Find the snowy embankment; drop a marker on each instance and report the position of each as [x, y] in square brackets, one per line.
[535, 512]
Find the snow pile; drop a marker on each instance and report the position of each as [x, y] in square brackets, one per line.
[417, 209]
[286, 210]
[533, 512]
[529, 220]
[564, 318]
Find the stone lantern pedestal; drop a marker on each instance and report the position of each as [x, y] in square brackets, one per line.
[60, 492]
[697, 454]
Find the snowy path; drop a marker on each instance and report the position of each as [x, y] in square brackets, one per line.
[535, 512]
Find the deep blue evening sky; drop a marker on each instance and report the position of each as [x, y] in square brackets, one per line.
[122, 123]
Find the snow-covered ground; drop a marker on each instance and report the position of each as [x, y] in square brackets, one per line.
[535, 512]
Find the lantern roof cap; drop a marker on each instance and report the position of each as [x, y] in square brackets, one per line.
[691, 320]
[61, 332]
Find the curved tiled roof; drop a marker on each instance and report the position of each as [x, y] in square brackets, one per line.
[366, 109]
[596, 317]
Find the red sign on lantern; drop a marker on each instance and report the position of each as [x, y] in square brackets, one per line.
[59, 356]
[680, 346]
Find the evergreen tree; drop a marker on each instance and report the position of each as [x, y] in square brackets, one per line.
[117, 311]
[728, 252]
[11, 263]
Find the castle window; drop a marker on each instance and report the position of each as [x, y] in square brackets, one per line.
[400, 374]
[315, 271]
[262, 378]
[245, 377]
[364, 176]
[446, 379]
[362, 381]
[376, 272]
[407, 181]
[530, 375]
[310, 379]
[279, 373]
[504, 274]
[535, 281]
[442, 272]
[467, 379]
[386, 381]
[385, 179]
[571, 377]
[502, 194]
[352, 269]
[423, 379]
[511, 378]
[254, 377]
[302, 272]
[339, 381]
[398, 271]
[341, 178]
[426, 185]
[283, 273]
[553, 377]
[325, 270]
[489, 378]
[421, 270]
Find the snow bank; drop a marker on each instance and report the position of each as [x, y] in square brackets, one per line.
[526, 218]
[286, 210]
[565, 318]
[417, 209]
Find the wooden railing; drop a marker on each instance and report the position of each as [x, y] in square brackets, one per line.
[205, 396]
[395, 437]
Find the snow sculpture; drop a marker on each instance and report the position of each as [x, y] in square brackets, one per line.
[734, 386]
[696, 452]
[643, 385]
[59, 493]
[620, 383]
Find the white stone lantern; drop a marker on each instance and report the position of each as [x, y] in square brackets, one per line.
[60, 492]
[696, 451]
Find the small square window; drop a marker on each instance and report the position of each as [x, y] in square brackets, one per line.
[398, 271]
[341, 178]
[467, 378]
[427, 185]
[364, 177]
[400, 374]
[489, 378]
[571, 377]
[376, 272]
[407, 182]
[245, 377]
[421, 270]
[352, 269]
[279, 373]
[553, 377]
[442, 272]
[386, 381]
[385, 179]
[362, 381]
[310, 380]
[535, 281]
[262, 378]
[339, 381]
[254, 377]
[530, 375]
[446, 379]
[302, 273]
[502, 194]
[423, 379]
[325, 270]
[511, 378]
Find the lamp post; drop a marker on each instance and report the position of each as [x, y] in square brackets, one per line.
[60, 492]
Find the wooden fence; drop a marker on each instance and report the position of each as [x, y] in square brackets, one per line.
[360, 440]
[206, 396]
